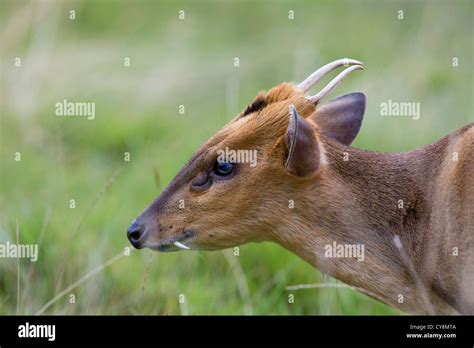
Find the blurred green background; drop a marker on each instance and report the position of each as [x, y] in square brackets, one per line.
[190, 62]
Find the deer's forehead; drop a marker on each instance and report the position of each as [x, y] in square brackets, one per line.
[243, 133]
[263, 121]
[269, 122]
[255, 130]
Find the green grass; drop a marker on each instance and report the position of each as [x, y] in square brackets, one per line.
[191, 63]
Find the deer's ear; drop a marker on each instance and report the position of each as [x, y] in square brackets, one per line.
[302, 149]
[341, 118]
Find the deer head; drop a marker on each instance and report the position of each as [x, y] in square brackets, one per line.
[235, 189]
[280, 171]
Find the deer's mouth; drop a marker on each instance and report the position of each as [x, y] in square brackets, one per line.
[175, 244]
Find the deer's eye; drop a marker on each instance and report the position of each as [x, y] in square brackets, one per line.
[223, 168]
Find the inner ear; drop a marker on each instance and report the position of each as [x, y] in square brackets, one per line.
[301, 146]
[341, 118]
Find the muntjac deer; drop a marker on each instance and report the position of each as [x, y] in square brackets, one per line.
[411, 214]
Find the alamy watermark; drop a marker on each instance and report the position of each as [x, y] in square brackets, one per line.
[238, 156]
[28, 330]
[80, 109]
[403, 109]
[335, 250]
[19, 251]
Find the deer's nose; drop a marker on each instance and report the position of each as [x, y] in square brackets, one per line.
[136, 234]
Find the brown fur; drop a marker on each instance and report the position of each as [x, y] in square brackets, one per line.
[354, 201]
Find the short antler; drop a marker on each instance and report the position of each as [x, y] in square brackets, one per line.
[333, 84]
[312, 79]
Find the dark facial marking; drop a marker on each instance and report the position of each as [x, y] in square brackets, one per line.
[259, 103]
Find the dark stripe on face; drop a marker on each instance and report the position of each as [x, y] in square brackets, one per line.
[187, 172]
[258, 104]
[184, 176]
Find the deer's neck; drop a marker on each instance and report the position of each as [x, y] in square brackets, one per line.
[353, 214]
